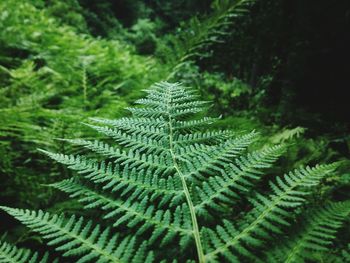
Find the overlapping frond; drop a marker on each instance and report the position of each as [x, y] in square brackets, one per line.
[154, 143]
[202, 137]
[199, 34]
[127, 181]
[269, 215]
[197, 163]
[189, 125]
[144, 126]
[12, 254]
[318, 231]
[141, 214]
[133, 158]
[79, 238]
[235, 179]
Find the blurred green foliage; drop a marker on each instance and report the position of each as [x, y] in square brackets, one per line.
[52, 78]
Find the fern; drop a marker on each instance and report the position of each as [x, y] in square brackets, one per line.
[12, 254]
[316, 235]
[165, 182]
[79, 238]
[269, 215]
[198, 34]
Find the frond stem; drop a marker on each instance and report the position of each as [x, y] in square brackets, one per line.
[196, 232]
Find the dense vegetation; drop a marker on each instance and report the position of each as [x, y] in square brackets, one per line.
[267, 181]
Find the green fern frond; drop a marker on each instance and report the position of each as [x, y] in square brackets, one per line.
[134, 158]
[269, 215]
[190, 125]
[11, 254]
[166, 177]
[236, 179]
[152, 143]
[196, 164]
[199, 34]
[132, 213]
[78, 238]
[316, 235]
[127, 181]
[145, 126]
[205, 137]
[287, 134]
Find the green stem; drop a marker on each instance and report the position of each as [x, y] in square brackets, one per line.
[196, 233]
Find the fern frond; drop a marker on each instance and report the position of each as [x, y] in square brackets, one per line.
[167, 179]
[201, 163]
[139, 183]
[12, 254]
[154, 143]
[192, 125]
[235, 179]
[133, 158]
[267, 216]
[145, 126]
[142, 214]
[316, 235]
[78, 238]
[202, 137]
[157, 105]
[199, 34]
[176, 105]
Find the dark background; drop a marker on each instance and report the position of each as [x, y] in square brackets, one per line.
[307, 41]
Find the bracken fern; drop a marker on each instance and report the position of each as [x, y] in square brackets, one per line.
[11, 254]
[171, 187]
